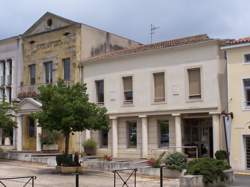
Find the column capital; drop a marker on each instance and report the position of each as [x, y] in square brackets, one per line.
[112, 117]
[143, 116]
[176, 114]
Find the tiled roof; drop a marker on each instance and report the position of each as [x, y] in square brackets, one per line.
[160, 45]
[238, 41]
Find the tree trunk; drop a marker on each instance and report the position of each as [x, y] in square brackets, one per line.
[66, 149]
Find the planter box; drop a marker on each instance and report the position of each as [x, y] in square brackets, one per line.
[52, 147]
[69, 169]
[171, 173]
[7, 141]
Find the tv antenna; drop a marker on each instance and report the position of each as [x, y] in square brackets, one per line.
[153, 28]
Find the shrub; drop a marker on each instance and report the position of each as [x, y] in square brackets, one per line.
[211, 169]
[156, 163]
[90, 143]
[67, 160]
[176, 161]
[221, 155]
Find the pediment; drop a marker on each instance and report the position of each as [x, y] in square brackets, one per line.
[48, 22]
[29, 104]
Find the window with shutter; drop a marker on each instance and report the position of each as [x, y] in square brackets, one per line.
[128, 89]
[159, 87]
[194, 79]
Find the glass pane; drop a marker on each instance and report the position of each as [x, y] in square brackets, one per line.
[164, 133]
[132, 134]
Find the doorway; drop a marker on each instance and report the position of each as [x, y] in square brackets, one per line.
[198, 132]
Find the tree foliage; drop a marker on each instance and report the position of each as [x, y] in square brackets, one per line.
[66, 108]
[7, 122]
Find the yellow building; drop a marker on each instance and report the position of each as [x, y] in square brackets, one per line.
[53, 49]
[238, 71]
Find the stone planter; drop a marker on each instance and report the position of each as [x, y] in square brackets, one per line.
[69, 169]
[90, 151]
[50, 147]
[7, 141]
[169, 173]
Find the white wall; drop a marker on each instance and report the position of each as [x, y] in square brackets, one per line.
[174, 63]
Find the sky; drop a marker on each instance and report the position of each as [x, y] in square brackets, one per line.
[132, 18]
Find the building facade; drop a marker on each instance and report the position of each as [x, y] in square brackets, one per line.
[53, 49]
[160, 97]
[238, 73]
[10, 78]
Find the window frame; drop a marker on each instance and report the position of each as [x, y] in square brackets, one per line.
[161, 145]
[65, 61]
[45, 64]
[32, 80]
[127, 102]
[128, 123]
[96, 91]
[244, 58]
[246, 106]
[153, 85]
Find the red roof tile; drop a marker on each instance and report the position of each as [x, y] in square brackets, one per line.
[159, 45]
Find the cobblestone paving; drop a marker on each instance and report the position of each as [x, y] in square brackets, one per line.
[46, 177]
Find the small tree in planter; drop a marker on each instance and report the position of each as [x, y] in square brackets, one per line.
[6, 120]
[175, 163]
[66, 108]
[90, 147]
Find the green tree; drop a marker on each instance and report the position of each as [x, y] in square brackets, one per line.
[66, 108]
[7, 123]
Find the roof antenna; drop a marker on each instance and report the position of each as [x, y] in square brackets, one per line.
[152, 32]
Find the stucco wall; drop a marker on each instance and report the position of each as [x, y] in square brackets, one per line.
[237, 71]
[174, 62]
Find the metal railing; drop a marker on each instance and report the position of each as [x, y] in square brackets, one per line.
[125, 180]
[29, 180]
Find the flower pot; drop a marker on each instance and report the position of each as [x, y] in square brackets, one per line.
[90, 150]
[169, 173]
[7, 141]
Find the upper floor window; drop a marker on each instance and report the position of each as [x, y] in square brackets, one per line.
[66, 68]
[100, 91]
[128, 89]
[9, 73]
[163, 133]
[246, 83]
[132, 133]
[48, 69]
[32, 73]
[159, 87]
[247, 58]
[194, 80]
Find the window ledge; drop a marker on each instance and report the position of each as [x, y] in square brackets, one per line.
[128, 105]
[194, 100]
[159, 102]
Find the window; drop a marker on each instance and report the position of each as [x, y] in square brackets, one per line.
[163, 133]
[32, 72]
[104, 138]
[194, 79]
[246, 83]
[49, 22]
[100, 91]
[247, 58]
[128, 89]
[159, 87]
[132, 133]
[48, 67]
[31, 127]
[66, 67]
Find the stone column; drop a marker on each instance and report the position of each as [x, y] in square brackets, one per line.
[178, 134]
[144, 125]
[216, 132]
[19, 133]
[38, 137]
[114, 137]
[87, 134]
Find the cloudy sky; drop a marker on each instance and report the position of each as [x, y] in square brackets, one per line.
[132, 18]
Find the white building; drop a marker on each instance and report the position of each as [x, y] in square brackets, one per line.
[160, 97]
[10, 76]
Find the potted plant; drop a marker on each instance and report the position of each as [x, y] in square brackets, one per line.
[89, 147]
[49, 139]
[175, 164]
[213, 171]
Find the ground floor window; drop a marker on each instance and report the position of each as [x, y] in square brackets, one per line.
[163, 126]
[104, 138]
[132, 133]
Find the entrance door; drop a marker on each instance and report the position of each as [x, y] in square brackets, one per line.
[248, 152]
[198, 132]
